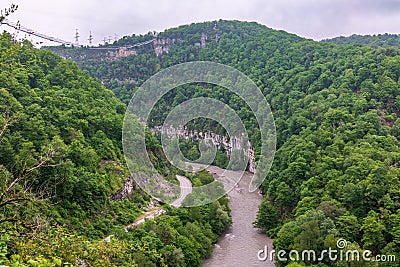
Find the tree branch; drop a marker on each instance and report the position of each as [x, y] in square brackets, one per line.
[8, 122]
[16, 220]
[14, 200]
[43, 162]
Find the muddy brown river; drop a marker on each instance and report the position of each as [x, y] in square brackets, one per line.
[240, 245]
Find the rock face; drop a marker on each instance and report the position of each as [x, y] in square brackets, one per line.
[163, 45]
[120, 53]
[126, 191]
[153, 183]
[220, 141]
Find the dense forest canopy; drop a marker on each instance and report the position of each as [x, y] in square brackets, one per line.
[377, 40]
[336, 108]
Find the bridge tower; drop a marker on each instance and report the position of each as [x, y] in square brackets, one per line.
[90, 38]
[77, 38]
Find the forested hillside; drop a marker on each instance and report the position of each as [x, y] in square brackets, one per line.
[62, 175]
[336, 108]
[378, 40]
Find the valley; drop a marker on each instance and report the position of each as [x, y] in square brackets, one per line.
[65, 182]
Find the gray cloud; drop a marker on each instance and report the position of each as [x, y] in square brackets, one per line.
[380, 6]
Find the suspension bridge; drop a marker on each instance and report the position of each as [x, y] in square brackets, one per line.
[125, 46]
[18, 27]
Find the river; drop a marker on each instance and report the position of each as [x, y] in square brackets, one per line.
[239, 246]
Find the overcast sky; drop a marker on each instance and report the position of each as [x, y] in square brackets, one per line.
[316, 19]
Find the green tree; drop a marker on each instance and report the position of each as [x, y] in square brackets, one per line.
[267, 217]
[373, 232]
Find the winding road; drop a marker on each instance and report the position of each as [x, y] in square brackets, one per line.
[186, 189]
